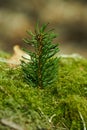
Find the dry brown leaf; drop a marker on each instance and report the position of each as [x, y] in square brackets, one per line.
[17, 56]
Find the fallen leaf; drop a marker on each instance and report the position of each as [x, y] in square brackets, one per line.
[17, 56]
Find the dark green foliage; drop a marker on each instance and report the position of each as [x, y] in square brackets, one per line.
[42, 69]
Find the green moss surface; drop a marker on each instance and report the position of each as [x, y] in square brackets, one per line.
[59, 107]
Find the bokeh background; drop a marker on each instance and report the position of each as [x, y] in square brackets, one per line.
[67, 17]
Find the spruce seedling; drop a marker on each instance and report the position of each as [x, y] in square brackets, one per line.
[42, 69]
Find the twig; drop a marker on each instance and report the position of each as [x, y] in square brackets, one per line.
[50, 120]
[84, 125]
[10, 124]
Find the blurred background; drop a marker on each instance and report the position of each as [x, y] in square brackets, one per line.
[67, 17]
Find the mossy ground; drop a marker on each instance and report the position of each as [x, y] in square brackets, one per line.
[57, 107]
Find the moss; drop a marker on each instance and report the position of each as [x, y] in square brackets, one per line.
[56, 107]
[4, 54]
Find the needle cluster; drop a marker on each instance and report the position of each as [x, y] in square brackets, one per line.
[42, 69]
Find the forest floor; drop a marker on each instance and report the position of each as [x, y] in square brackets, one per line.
[57, 107]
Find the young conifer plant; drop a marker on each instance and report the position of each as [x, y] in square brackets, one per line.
[42, 69]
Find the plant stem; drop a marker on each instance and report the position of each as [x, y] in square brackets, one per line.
[40, 46]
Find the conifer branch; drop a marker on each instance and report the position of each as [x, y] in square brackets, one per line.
[42, 70]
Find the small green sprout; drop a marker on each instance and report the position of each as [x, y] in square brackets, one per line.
[42, 69]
